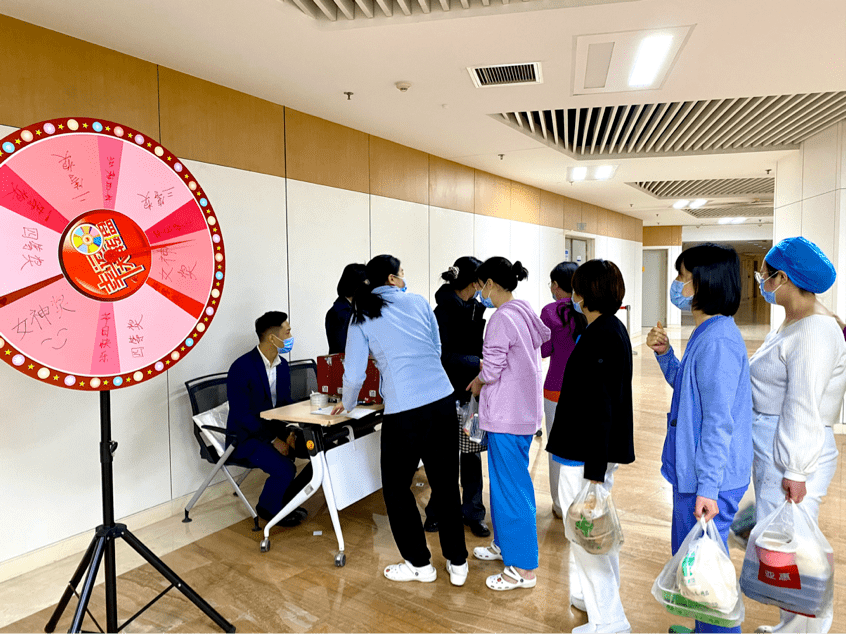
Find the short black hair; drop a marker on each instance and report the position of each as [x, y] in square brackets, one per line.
[600, 284]
[502, 271]
[352, 277]
[716, 278]
[268, 321]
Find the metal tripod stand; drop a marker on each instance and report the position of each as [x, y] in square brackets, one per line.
[103, 545]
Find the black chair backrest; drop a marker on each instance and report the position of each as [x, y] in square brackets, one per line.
[205, 393]
[303, 379]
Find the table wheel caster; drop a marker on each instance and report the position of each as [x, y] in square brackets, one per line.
[340, 560]
[265, 545]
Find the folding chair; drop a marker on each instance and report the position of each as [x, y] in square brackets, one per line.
[303, 379]
[210, 409]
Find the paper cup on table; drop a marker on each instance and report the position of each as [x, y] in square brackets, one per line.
[318, 400]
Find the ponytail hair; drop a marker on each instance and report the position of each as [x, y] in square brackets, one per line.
[502, 272]
[463, 273]
[366, 303]
[563, 276]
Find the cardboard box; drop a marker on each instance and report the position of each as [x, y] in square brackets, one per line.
[330, 378]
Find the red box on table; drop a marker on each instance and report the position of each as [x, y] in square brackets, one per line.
[330, 378]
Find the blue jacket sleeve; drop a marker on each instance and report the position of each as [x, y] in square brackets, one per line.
[355, 364]
[717, 371]
[669, 365]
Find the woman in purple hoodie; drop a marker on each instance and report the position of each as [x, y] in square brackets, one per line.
[510, 411]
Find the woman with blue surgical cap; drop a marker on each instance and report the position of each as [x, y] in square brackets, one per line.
[798, 381]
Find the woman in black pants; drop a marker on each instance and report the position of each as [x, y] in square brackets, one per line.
[461, 323]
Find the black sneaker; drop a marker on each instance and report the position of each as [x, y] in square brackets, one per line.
[478, 528]
[294, 518]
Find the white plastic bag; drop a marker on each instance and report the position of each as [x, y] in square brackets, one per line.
[789, 563]
[694, 596]
[592, 521]
[706, 574]
[469, 414]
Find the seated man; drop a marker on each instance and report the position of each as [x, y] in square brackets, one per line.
[260, 380]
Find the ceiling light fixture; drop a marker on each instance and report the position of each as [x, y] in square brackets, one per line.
[696, 204]
[651, 55]
[604, 172]
[681, 204]
[578, 174]
[738, 221]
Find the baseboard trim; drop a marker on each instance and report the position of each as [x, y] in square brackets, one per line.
[77, 544]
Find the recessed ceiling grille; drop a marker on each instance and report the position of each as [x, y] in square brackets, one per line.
[733, 211]
[364, 11]
[506, 75]
[710, 188]
[740, 124]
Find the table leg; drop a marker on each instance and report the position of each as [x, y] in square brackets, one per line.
[340, 556]
[317, 466]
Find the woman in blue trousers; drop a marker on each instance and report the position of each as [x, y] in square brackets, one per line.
[707, 453]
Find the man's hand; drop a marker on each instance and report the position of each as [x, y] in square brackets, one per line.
[338, 409]
[793, 490]
[281, 446]
[657, 339]
[475, 387]
[706, 508]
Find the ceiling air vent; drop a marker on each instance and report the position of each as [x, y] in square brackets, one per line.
[506, 75]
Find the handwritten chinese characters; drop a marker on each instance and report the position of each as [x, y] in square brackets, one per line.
[31, 248]
[66, 163]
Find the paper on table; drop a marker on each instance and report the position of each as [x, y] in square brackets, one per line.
[356, 413]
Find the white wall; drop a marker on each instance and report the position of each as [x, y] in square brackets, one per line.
[287, 244]
[809, 201]
[727, 233]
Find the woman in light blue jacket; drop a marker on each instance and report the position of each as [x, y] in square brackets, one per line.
[707, 453]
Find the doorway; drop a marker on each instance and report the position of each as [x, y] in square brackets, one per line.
[654, 287]
[576, 250]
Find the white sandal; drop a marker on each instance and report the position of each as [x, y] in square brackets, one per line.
[488, 553]
[498, 582]
[406, 572]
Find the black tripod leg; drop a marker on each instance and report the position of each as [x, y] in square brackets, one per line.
[69, 591]
[180, 585]
[88, 586]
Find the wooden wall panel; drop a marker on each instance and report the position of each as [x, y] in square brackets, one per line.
[590, 217]
[493, 196]
[525, 203]
[635, 229]
[451, 185]
[662, 236]
[198, 122]
[325, 153]
[615, 225]
[572, 213]
[602, 221]
[397, 171]
[551, 210]
[45, 74]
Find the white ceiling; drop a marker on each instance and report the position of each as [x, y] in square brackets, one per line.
[274, 51]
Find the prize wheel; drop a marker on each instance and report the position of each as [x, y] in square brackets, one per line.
[114, 260]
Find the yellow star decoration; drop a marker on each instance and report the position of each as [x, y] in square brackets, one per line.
[149, 145]
[214, 230]
[56, 377]
[218, 248]
[219, 266]
[167, 362]
[214, 301]
[149, 371]
[106, 382]
[130, 135]
[84, 125]
[38, 132]
[108, 129]
[206, 319]
[8, 352]
[82, 384]
[30, 367]
[61, 127]
[169, 158]
[182, 348]
[186, 177]
[1, 153]
[18, 141]
[129, 379]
